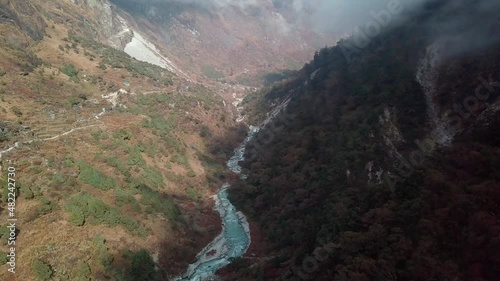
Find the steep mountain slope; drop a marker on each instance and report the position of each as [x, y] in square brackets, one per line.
[383, 166]
[236, 42]
[376, 161]
[115, 158]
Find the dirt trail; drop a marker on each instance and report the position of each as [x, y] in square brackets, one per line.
[17, 143]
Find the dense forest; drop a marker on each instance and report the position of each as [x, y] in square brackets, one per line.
[383, 166]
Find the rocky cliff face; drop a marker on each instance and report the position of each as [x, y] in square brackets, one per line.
[96, 18]
[227, 42]
[111, 25]
[232, 43]
[24, 15]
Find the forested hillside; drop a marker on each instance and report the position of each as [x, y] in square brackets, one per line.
[384, 164]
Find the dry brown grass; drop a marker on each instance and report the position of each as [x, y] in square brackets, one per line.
[51, 237]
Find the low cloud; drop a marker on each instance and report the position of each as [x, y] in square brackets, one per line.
[464, 26]
[341, 16]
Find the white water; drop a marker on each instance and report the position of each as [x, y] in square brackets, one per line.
[234, 239]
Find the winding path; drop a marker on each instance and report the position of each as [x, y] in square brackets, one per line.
[17, 143]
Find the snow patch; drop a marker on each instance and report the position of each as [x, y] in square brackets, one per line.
[143, 50]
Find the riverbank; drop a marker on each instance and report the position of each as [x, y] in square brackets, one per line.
[207, 225]
[258, 245]
[234, 240]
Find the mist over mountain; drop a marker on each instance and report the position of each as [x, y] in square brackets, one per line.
[350, 181]
[346, 140]
[464, 31]
[338, 18]
[322, 15]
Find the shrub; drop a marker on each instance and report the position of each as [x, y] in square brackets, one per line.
[82, 272]
[26, 192]
[84, 208]
[68, 161]
[4, 234]
[17, 111]
[135, 157]
[205, 131]
[77, 217]
[102, 65]
[69, 70]
[192, 193]
[46, 206]
[126, 197]
[119, 59]
[181, 160]
[73, 101]
[161, 126]
[37, 191]
[3, 258]
[4, 136]
[59, 178]
[91, 176]
[142, 267]
[42, 270]
[158, 203]
[132, 226]
[99, 135]
[239, 263]
[104, 258]
[118, 164]
[153, 176]
[122, 135]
